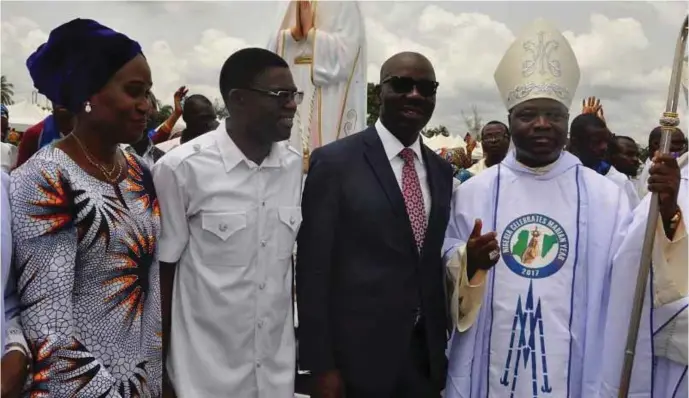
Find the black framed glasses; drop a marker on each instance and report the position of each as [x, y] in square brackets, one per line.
[283, 96]
[405, 85]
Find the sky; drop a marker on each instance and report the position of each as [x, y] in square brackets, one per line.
[625, 49]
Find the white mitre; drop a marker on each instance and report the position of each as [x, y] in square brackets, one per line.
[539, 64]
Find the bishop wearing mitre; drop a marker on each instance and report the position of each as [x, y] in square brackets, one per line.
[558, 225]
[324, 44]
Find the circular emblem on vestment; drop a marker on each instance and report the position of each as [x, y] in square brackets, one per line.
[534, 246]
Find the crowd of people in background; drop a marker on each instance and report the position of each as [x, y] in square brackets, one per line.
[151, 264]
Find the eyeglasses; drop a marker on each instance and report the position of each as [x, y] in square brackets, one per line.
[283, 96]
[405, 85]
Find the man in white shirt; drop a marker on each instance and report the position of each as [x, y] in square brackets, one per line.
[624, 156]
[495, 141]
[589, 141]
[230, 213]
[678, 146]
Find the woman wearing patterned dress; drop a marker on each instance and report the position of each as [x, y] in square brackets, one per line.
[86, 222]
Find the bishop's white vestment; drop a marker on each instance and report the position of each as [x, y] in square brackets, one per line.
[660, 361]
[538, 331]
[329, 66]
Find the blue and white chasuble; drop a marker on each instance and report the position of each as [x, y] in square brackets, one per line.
[660, 361]
[538, 330]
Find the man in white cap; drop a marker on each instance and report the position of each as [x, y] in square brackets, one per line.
[556, 226]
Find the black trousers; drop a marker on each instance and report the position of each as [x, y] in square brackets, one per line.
[413, 380]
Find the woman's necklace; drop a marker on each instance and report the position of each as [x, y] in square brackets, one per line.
[109, 175]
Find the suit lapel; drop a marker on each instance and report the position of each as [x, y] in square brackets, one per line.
[432, 173]
[378, 160]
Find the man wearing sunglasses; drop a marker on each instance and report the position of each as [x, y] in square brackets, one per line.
[370, 280]
[557, 225]
[229, 203]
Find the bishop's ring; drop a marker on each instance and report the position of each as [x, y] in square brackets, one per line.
[494, 255]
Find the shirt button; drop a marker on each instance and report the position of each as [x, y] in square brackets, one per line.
[263, 243]
[260, 323]
[263, 204]
[262, 285]
[197, 147]
[291, 221]
[258, 364]
[222, 227]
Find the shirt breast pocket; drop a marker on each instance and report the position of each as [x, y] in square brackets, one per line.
[225, 239]
[290, 220]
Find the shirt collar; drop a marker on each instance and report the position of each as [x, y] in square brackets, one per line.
[393, 146]
[232, 155]
[130, 147]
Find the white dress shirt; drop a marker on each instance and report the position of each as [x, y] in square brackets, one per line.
[231, 226]
[642, 181]
[623, 181]
[477, 167]
[170, 144]
[393, 147]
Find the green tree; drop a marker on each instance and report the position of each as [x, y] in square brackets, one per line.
[7, 89]
[220, 110]
[474, 123]
[164, 112]
[372, 104]
[643, 154]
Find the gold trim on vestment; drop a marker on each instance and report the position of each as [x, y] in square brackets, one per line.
[303, 60]
[346, 94]
[314, 5]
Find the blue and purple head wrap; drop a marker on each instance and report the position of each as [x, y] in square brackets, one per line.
[78, 59]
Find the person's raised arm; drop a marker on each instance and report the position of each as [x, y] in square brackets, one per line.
[163, 131]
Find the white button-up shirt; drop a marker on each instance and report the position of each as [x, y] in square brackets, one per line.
[231, 225]
[393, 147]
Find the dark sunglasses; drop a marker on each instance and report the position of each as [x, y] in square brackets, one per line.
[283, 96]
[405, 85]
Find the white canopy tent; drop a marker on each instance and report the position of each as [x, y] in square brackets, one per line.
[24, 115]
[438, 142]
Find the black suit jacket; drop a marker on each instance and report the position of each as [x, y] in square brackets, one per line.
[359, 275]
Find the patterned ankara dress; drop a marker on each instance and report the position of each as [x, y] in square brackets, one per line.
[89, 278]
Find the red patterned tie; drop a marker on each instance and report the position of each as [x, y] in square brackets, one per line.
[413, 198]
